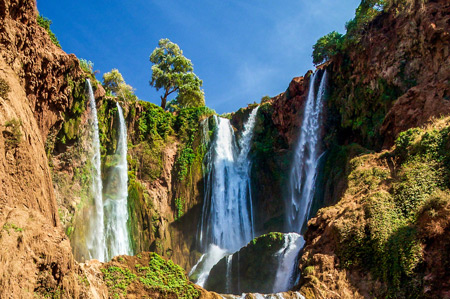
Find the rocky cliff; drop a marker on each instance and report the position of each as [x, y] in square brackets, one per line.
[42, 116]
[372, 241]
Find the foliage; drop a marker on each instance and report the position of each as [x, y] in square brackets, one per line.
[187, 125]
[179, 207]
[118, 279]
[327, 46]
[383, 238]
[4, 89]
[173, 72]
[154, 122]
[114, 82]
[45, 23]
[265, 99]
[166, 276]
[87, 65]
[7, 226]
[12, 133]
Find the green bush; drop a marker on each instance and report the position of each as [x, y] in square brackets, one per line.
[12, 133]
[4, 89]
[166, 276]
[45, 23]
[327, 46]
[87, 65]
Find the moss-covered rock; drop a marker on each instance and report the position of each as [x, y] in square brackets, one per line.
[253, 268]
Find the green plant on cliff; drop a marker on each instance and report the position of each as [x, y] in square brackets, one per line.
[179, 208]
[45, 23]
[385, 239]
[327, 46]
[173, 73]
[187, 127]
[113, 82]
[118, 279]
[87, 65]
[4, 89]
[12, 133]
[164, 275]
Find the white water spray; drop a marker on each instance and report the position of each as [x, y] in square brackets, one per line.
[287, 257]
[227, 218]
[304, 170]
[95, 240]
[116, 209]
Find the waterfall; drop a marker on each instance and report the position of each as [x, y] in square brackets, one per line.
[304, 170]
[227, 217]
[116, 210]
[229, 271]
[287, 257]
[95, 240]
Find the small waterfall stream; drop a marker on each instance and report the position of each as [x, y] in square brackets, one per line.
[304, 170]
[287, 257]
[227, 220]
[116, 210]
[95, 239]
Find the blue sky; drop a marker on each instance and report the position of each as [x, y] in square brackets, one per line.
[242, 50]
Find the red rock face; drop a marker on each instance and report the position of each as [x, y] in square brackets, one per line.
[288, 108]
[41, 66]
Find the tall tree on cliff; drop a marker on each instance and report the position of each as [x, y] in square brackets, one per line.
[173, 72]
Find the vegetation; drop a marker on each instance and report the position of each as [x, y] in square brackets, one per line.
[179, 208]
[167, 277]
[114, 83]
[173, 72]
[150, 272]
[87, 65]
[45, 23]
[117, 280]
[334, 43]
[8, 226]
[327, 46]
[4, 89]
[385, 238]
[12, 133]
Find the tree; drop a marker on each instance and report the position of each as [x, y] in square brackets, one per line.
[327, 46]
[114, 82]
[173, 72]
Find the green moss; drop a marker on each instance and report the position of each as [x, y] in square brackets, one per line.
[167, 277]
[45, 23]
[179, 208]
[118, 279]
[383, 237]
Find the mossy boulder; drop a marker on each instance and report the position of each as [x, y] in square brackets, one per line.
[252, 269]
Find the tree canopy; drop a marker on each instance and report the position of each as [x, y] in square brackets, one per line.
[173, 73]
[114, 82]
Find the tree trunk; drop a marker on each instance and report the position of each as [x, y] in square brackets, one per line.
[163, 102]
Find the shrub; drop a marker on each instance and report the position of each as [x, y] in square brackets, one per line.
[45, 23]
[4, 89]
[327, 46]
[86, 65]
[12, 134]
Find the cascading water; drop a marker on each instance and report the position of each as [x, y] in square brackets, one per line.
[228, 223]
[116, 210]
[304, 170]
[95, 241]
[287, 256]
[227, 220]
